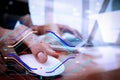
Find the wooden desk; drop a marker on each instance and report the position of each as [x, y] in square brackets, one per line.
[104, 65]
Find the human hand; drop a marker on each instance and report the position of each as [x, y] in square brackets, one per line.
[40, 50]
[58, 29]
[43, 28]
[64, 28]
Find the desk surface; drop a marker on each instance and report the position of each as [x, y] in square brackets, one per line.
[92, 63]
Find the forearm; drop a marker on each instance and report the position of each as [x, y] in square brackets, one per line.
[31, 38]
[26, 20]
[14, 35]
[17, 35]
[4, 33]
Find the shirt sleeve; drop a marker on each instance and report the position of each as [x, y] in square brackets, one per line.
[11, 11]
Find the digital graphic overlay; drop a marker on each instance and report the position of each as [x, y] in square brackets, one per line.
[60, 64]
[7, 34]
[22, 32]
[78, 69]
[63, 43]
[15, 56]
[23, 38]
[60, 39]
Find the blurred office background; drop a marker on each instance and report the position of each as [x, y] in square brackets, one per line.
[96, 20]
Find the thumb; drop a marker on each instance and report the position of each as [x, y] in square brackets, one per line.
[42, 57]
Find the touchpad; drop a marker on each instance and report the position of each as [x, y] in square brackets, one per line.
[52, 67]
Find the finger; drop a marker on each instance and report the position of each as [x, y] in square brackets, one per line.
[41, 57]
[48, 50]
[51, 52]
[38, 53]
[77, 34]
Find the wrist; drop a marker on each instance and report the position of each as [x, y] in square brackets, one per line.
[31, 38]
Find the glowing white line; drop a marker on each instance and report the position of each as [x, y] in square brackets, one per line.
[23, 38]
